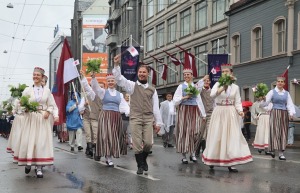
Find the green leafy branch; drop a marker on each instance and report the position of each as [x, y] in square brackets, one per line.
[261, 90]
[93, 66]
[27, 105]
[191, 90]
[226, 80]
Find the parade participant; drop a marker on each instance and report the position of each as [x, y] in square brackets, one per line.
[90, 122]
[168, 115]
[36, 144]
[74, 122]
[190, 115]
[55, 110]
[204, 87]
[125, 118]
[282, 111]
[111, 140]
[143, 108]
[225, 145]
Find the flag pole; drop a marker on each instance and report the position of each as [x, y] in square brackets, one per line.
[163, 63]
[194, 55]
[75, 96]
[84, 94]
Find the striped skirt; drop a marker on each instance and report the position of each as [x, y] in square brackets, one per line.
[111, 140]
[279, 124]
[225, 143]
[261, 140]
[188, 128]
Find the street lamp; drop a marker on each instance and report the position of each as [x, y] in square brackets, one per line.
[10, 6]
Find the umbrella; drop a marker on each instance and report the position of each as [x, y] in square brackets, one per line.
[247, 103]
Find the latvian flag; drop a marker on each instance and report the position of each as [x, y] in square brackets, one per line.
[173, 59]
[164, 74]
[153, 76]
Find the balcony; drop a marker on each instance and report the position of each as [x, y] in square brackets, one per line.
[112, 40]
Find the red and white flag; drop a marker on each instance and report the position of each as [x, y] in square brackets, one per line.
[189, 61]
[70, 71]
[76, 62]
[164, 74]
[286, 76]
[132, 51]
[153, 76]
[173, 59]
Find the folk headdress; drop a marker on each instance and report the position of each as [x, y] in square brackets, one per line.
[110, 76]
[40, 70]
[226, 66]
[187, 70]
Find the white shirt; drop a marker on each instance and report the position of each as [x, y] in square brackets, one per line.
[96, 89]
[290, 105]
[178, 98]
[38, 93]
[128, 86]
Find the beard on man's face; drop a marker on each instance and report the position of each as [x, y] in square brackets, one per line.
[142, 81]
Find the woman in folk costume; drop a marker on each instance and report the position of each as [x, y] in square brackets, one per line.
[36, 144]
[111, 140]
[261, 117]
[282, 111]
[190, 114]
[74, 121]
[16, 127]
[226, 145]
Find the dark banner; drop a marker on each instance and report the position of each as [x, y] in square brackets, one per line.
[129, 64]
[214, 66]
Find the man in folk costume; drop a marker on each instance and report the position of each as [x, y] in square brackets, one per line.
[208, 102]
[143, 108]
[167, 111]
[282, 111]
[190, 116]
[90, 122]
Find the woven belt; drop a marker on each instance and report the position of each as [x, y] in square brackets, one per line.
[221, 104]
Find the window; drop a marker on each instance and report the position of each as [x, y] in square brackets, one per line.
[246, 94]
[160, 35]
[160, 68]
[149, 36]
[185, 23]
[171, 1]
[160, 5]
[235, 42]
[150, 8]
[256, 46]
[201, 15]
[279, 36]
[219, 8]
[171, 78]
[221, 49]
[297, 94]
[172, 26]
[181, 58]
[150, 77]
[199, 53]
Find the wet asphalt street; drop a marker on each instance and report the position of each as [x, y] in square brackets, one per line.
[74, 172]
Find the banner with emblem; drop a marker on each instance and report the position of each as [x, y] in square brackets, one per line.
[129, 63]
[214, 66]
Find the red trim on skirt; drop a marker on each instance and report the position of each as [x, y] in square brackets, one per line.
[227, 161]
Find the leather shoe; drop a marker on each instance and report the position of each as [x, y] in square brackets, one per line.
[211, 167]
[110, 164]
[80, 148]
[72, 148]
[140, 171]
[184, 161]
[170, 145]
[231, 169]
[282, 158]
[193, 159]
[272, 154]
[27, 169]
[97, 158]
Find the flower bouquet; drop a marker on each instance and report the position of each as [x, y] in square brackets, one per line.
[226, 80]
[260, 90]
[7, 106]
[191, 90]
[28, 106]
[93, 66]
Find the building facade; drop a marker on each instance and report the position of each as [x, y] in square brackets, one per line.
[196, 26]
[125, 21]
[54, 56]
[264, 40]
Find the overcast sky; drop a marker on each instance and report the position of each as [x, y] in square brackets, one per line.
[21, 22]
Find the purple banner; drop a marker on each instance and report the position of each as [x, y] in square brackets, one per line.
[214, 66]
[129, 64]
